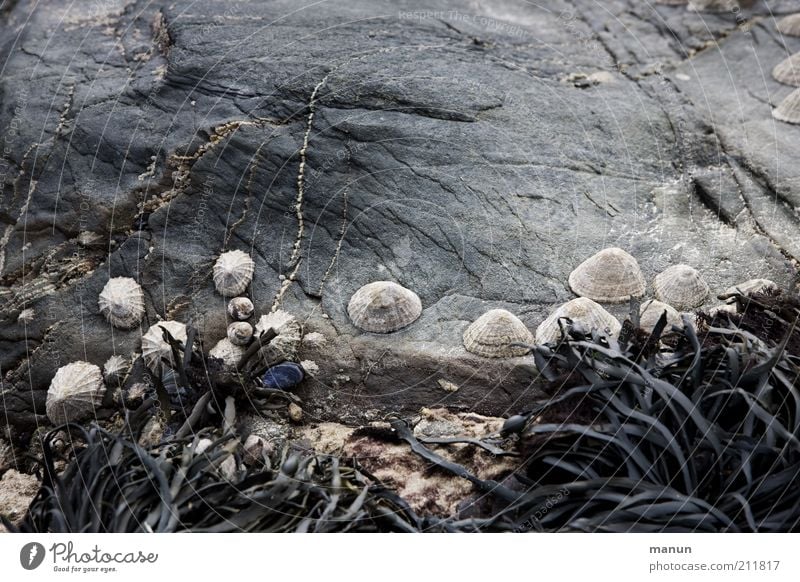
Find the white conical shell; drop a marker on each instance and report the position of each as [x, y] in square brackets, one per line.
[240, 333]
[672, 2]
[75, 392]
[115, 369]
[383, 307]
[680, 286]
[749, 287]
[581, 310]
[789, 25]
[122, 302]
[713, 5]
[154, 347]
[491, 334]
[240, 308]
[233, 272]
[650, 312]
[226, 351]
[609, 276]
[288, 329]
[789, 109]
[788, 71]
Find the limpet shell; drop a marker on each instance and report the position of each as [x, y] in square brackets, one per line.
[749, 288]
[240, 308]
[788, 71]
[229, 353]
[492, 333]
[233, 272]
[650, 312]
[581, 310]
[122, 302]
[154, 348]
[75, 392]
[383, 307]
[609, 276]
[240, 333]
[680, 286]
[789, 25]
[287, 342]
[713, 5]
[788, 110]
[115, 369]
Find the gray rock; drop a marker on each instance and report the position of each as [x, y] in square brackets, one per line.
[475, 156]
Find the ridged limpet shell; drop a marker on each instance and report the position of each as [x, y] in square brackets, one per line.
[289, 331]
[229, 353]
[713, 5]
[788, 71]
[492, 333]
[581, 310]
[680, 286]
[122, 302]
[789, 25]
[115, 369]
[233, 272]
[609, 276]
[154, 348]
[650, 312]
[75, 392]
[383, 307]
[788, 110]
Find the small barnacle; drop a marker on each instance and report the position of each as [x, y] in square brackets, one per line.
[492, 334]
[87, 238]
[240, 308]
[122, 302]
[154, 348]
[650, 312]
[26, 315]
[383, 307]
[314, 340]
[749, 288]
[788, 71]
[287, 342]
[229, 353]
[789, 25]
[610, 276]
[680, 286]
[583, 311]
[233, 272]
[240, 333]
[672, 2]
[115, 369]
[75, 392]
[713, 5]
[788, 110]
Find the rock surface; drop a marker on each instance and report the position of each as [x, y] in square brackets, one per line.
[16, 492]
[473, 153]
[429, 491]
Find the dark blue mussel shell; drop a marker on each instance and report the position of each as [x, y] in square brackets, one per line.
[283, 376]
